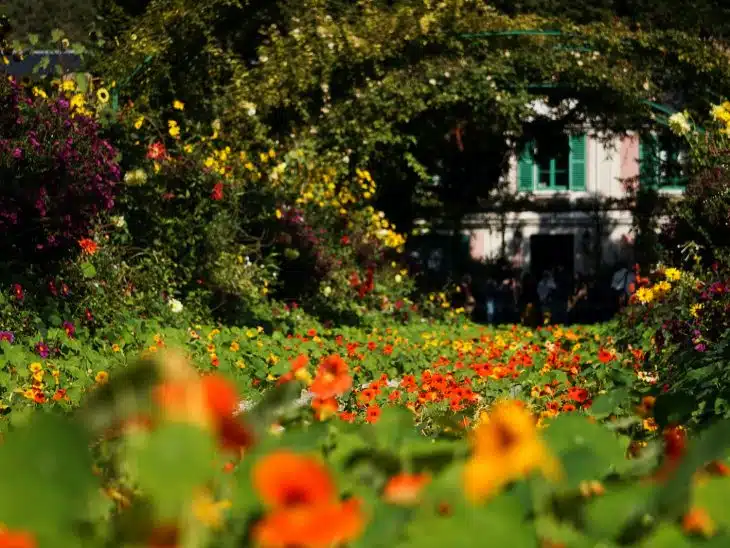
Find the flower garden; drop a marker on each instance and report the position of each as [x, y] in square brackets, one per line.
[211, 334]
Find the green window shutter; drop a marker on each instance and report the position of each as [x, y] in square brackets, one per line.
[649, 161]
[577, 174]
[526, 169]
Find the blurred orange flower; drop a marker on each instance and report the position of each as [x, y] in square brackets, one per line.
[304, 507]
[405, 489]
[332, 378]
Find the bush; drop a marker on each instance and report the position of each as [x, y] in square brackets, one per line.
[58, 175]
[683, 317]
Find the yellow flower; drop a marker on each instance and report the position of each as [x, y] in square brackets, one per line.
[178, 105]
[188, 148]
[174, 129]
[694, 310]
[68, 85]
[35, 367]
[138, 122]
[207, 511]
[235, 347]
[38, 92]
[672, 274]
[662, 287]
[77, 101]
[506, 447]
[102, 96]
[102, 377]
[644, 295]
[116, 348]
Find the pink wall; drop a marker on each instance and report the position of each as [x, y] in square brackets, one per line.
[477, 244]
[629, 157]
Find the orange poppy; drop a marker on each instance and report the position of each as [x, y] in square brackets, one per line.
[332, 379]
[285, 479]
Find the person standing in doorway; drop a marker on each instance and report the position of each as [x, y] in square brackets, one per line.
[621, 283]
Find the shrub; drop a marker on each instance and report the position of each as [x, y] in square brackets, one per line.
[58, 175]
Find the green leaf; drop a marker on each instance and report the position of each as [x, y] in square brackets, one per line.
[386, 525]
[394, 427]
[667, 536]
[606, 404]
[609, 515]
[88, 270]
[57, 35]
[82, 82]
[560, 533]
[43, 463]
[274, 403]
[171, 463]
[587, 450]
[467, 525]
[33, 39]
[712, 497]
[673, 499]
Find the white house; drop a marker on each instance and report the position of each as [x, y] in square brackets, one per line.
[581, 169]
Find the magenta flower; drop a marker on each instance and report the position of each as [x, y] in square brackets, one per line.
[42, 349]
[7, 336]
[70, 329]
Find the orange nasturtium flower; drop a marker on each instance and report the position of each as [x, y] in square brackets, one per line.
[16, 539]
[506, 447]
[303, 505]
[405, 489]
[698, 522]
[210, 402]
[332, 378]
[88, 246]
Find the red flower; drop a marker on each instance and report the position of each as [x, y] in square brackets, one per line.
[347, 416]
[578, 394]
[88, 246]
[18, 291]
[156, 151]
[332, 379]
[345, 240]
[217, 193]
[372, 415]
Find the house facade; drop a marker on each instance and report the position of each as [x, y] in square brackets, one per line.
[576, 197]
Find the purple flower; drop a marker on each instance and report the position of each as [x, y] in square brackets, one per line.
[7, 336]
[701, 347]
[42, 349]
[70, 329]
[18, 153]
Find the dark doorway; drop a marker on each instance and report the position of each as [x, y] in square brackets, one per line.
[548, 251]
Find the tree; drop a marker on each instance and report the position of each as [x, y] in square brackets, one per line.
[416, 92]
[41, 17]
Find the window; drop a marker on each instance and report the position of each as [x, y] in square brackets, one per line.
[661, 162]
[556, 165]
